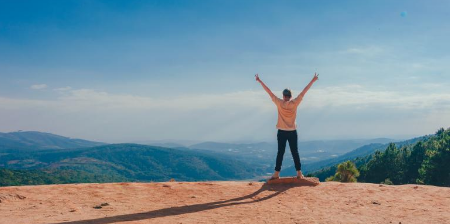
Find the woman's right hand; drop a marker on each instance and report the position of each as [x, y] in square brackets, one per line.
[257, 78]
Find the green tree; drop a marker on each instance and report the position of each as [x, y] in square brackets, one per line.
[390, 164]
[415, 160]
[346, 172]
[435, 169]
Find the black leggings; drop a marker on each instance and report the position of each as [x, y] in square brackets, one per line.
[291, 137]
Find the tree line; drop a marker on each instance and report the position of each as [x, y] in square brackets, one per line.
[426, 162]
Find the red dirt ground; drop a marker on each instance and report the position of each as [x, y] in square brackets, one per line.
[224, 202]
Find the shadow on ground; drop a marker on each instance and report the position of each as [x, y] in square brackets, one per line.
[276, 189]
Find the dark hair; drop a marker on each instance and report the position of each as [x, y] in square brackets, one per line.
[287, 92]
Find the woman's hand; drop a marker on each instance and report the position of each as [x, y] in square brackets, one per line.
[316, 77]
[257, 78]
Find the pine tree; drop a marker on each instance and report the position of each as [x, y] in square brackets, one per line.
[346, 172]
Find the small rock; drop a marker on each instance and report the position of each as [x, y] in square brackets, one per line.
[73, 210]
[193, 196]
[250, 183]
[20, 196]
[416, 187]
[101, 205]
[376, 203]
[165, 185]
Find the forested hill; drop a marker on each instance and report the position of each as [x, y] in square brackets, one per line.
[121, 162]
[54, 176]
[33, 140]
[425, 162]
[360, 152]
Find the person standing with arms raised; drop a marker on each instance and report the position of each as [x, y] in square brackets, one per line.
[286, 125]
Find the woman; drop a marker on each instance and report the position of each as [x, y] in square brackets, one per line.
[286, 125]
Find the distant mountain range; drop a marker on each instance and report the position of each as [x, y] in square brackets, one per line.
[33, 140]
[264, 153]
[75, 160]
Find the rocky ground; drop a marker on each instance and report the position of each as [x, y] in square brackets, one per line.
[224, 202]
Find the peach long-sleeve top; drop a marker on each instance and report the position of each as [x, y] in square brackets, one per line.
[287, 112]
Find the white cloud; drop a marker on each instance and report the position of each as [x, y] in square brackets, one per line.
[38, 86]
[358, 96]
[88, 98]
[355, 110]
[355, 96]
[335, 96]
[62, 89]
[369, 51]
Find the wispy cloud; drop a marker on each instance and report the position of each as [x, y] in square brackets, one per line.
[368, 51]
[62, 89]
[355, 96]
[38, 86]
[241, 115]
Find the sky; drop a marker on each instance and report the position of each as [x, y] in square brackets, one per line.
[130, 71]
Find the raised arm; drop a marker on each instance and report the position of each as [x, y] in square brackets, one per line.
[265, 87]
[305, 90]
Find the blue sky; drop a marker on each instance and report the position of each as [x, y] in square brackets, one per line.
[148, 70]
